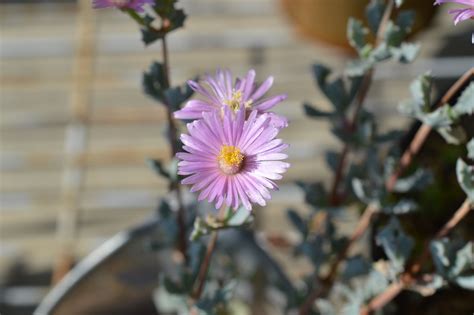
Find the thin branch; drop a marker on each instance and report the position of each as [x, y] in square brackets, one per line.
[455, 219]
[378, 302]
[407, 278]
[407, 157]
[405, 161]
[362, 226]
[335, 200]
[352, 126]
[424, 131]
[173, 137]
[201, 278]
[166, 63]
[361, 96]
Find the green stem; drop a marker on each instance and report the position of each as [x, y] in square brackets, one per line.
[203, 270]
[135, 16]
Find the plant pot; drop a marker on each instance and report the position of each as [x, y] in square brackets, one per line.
[120, 276]
[326, 21]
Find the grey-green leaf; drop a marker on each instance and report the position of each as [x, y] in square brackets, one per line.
[440, 118]
[335, 91]
[167, 302]
[398, 3]
[466, 282]
[463, 260]
[297, 221]
[405, 20]
[358, 67]
[465, 175]
[420, 90]
[315, 194]
[355, 266]
[393, 34]
[175, 96]
[465, 103]
[402, 207]
[396, 244]
[356, 34]
[164, 209]
[418, 180]
[374, 13]
[452, 259]
[406, 53]
[470, 149]
[154, 81]
[311, 111]
[158, 167]
[368, 191]
[332, 159]
[452, 134]
[240, 217]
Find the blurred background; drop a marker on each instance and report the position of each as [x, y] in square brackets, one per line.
[76, 128]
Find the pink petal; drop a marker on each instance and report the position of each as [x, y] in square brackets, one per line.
[249, 81]
[461, 15]
[265, 105]
[266, 85]
[465, 2]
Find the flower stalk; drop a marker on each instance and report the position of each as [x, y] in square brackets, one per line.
[203, 270]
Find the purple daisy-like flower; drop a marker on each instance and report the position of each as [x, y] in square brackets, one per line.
[231, 160]
[136, 5]
[220, 91]
[460, 14]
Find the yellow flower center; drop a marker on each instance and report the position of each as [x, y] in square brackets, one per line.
[236, 100]
[230, 159]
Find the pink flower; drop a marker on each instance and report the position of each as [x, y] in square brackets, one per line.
[460, 14]
[136, 5]
[220, 91]
[231, 160]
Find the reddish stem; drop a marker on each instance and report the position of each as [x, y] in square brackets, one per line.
[173, 137]
[422, 134]
[203, 270]
[362, 225]
[405, 161]
[334, 194]
[424, 131]
[409, 277]
[352, 126]
[201, 278]
[389, 294]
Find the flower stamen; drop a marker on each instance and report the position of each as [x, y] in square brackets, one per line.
[230, 159]
[235, 101]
